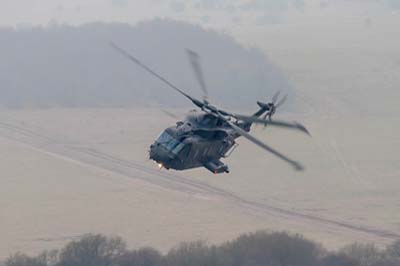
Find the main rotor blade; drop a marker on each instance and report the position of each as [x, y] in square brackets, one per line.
[277, 123]
[275, 97]
[195, 62]
[282, 101]
[261, 144]
[149, 70]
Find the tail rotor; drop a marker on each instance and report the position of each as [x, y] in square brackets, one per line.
[274, 104]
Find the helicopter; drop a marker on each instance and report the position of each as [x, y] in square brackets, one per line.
[209, 134]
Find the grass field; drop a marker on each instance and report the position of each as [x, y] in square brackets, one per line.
[66, 173]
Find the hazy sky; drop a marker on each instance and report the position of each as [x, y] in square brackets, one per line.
[220, 13]
[246, 20]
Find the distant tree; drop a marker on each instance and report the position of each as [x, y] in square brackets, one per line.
[92, 250]
[339, 260]
[141, 257]
[67, 66]
[20, 259]
[49, 258]
[275, 249]
[394, 250]
[366, 254]
[255, 249]
[192, 254]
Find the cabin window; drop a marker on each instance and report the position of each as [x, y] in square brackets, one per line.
[178, 148]
[172, 144]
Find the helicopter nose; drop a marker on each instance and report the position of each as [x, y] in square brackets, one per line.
[153, 152]
[158, 154]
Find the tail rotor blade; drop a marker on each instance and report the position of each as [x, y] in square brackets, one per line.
[265, 116]
[275, 97]
[282, 101]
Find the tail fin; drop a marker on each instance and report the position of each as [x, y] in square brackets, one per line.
[264, 107]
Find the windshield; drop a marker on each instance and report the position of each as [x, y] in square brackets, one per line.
[166, 140]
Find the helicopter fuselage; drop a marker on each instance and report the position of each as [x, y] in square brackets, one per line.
[199, 141]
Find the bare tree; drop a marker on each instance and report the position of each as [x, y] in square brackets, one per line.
[275, 249]
[339, 260]
[365, 254]
[394, 250]
[192, 254]
[141, 257]
[20, 259]
[255, 249]
[92, 250]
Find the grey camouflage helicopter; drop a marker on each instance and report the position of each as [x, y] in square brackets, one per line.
[206, 136]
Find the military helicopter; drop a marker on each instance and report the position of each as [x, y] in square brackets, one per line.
[208, 135]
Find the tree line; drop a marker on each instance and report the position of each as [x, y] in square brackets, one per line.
[68, 66]
[253, 249]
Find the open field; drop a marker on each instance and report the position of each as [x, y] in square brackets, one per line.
[69, 172]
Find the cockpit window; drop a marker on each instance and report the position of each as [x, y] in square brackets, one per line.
[164, 138]
[169, 142]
